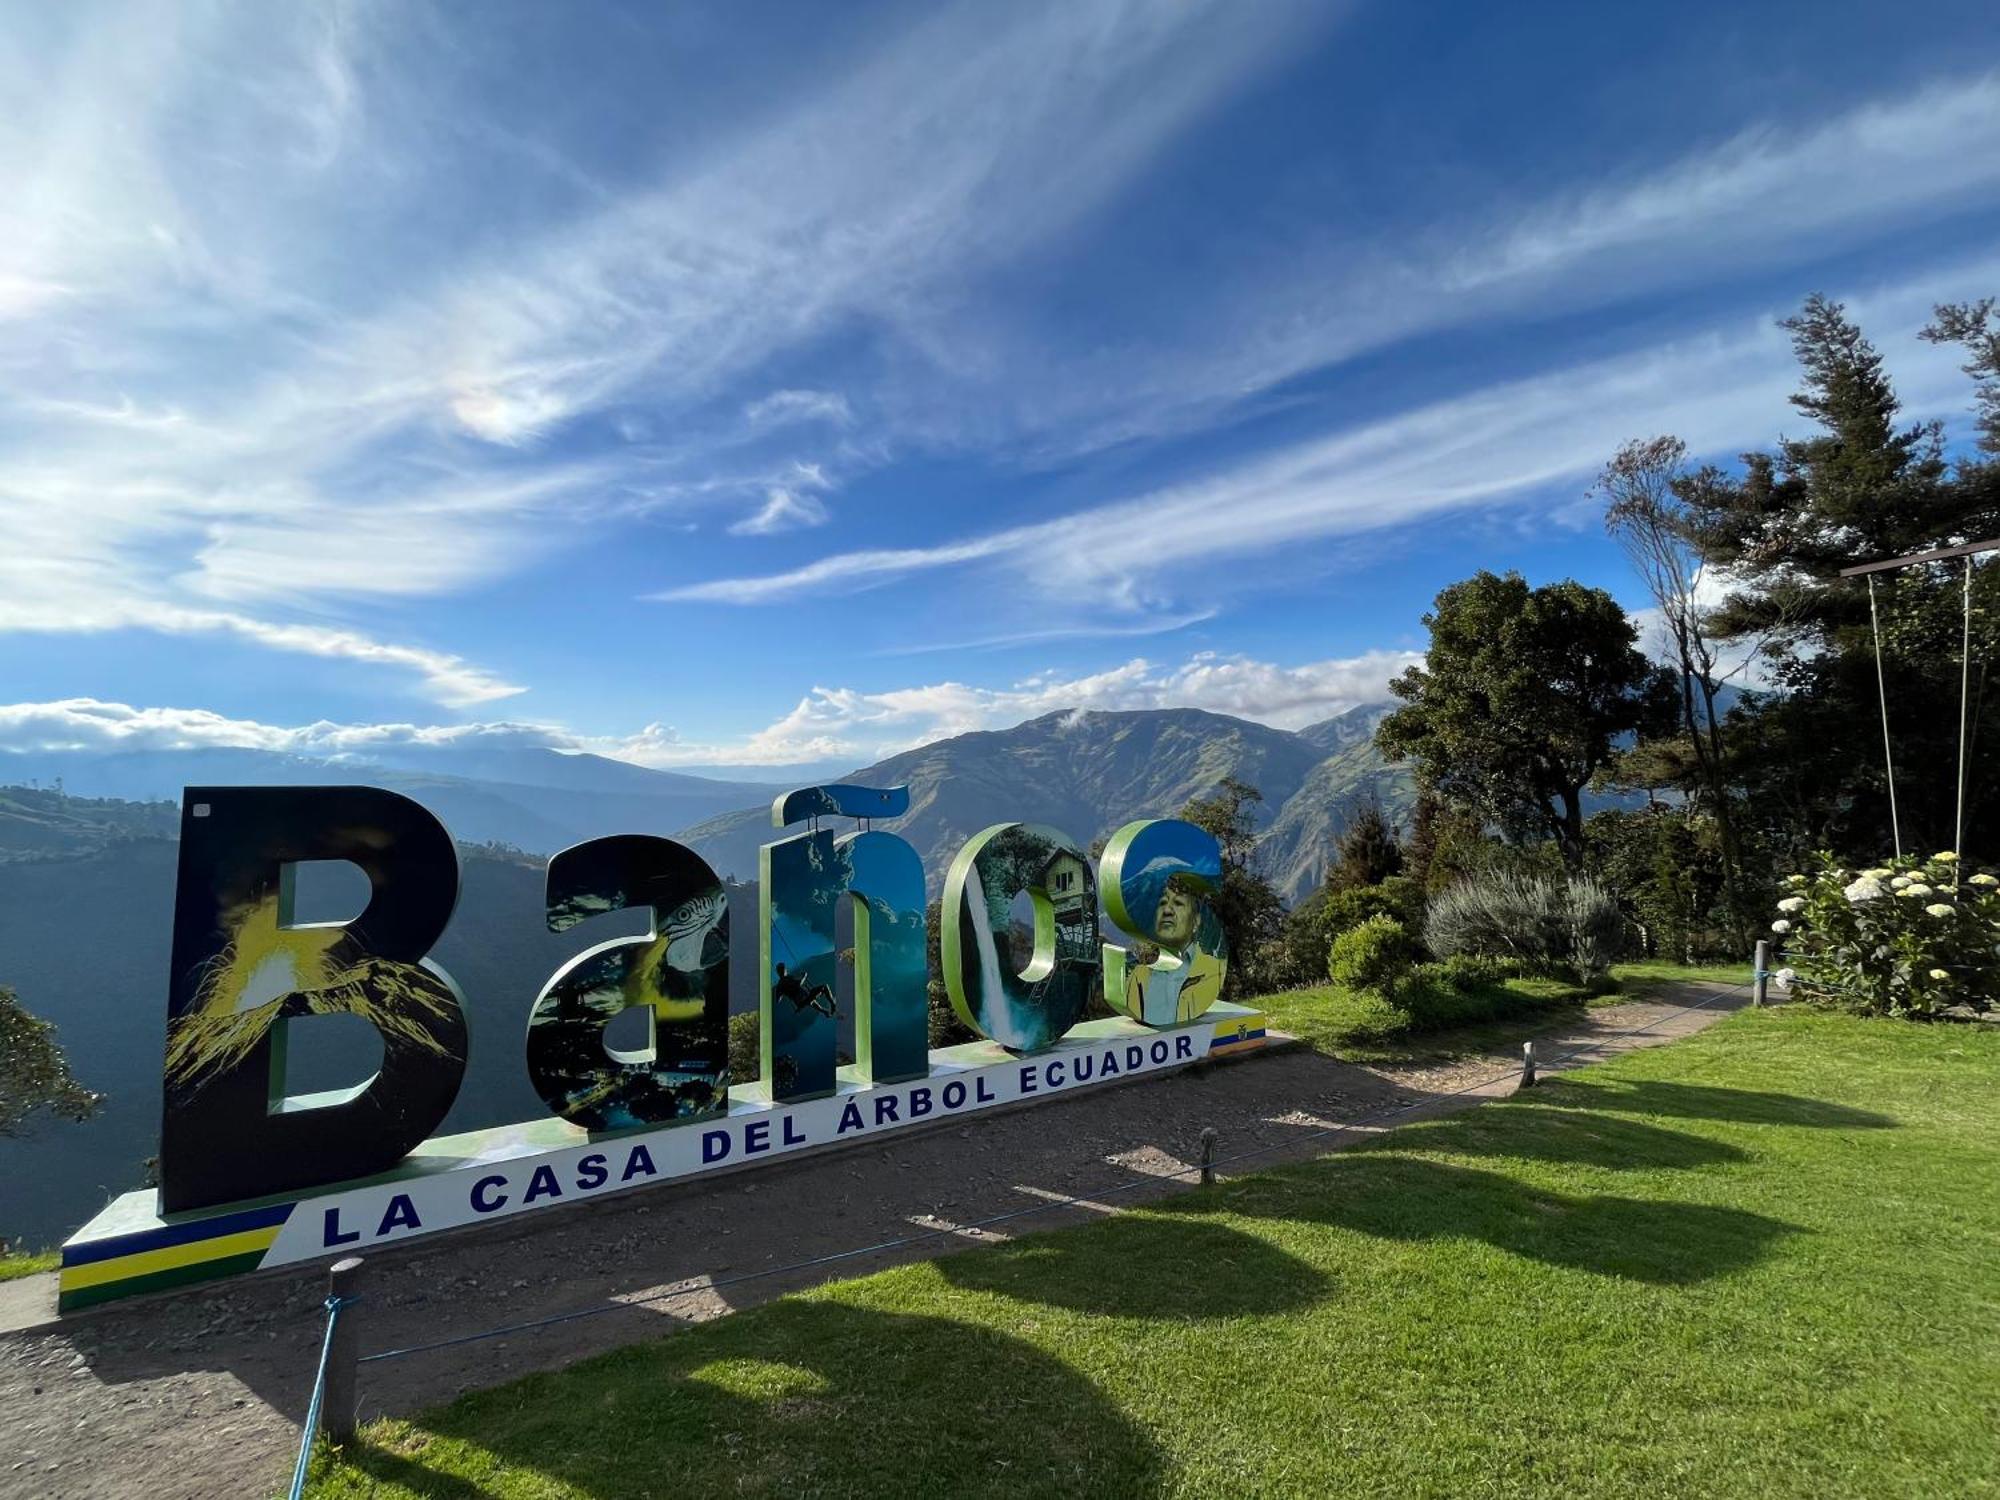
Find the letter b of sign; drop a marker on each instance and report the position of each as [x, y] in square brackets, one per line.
[242, 968]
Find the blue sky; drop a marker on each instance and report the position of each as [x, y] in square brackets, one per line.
[770, 385]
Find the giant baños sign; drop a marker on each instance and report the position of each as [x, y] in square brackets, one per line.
[251, 1176]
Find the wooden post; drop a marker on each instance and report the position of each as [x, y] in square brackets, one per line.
[1760, 978]
[1527, 1065]
[1207, 1154]
[337, 1414]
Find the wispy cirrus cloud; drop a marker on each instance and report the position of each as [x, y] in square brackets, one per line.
[1723, 390]
[221, 331]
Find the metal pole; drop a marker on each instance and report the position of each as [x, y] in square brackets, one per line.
[338, 1415]
[1207, 1154]
[1527, 1065]
[1882, 689]
[1760, 977]
[1964, 705]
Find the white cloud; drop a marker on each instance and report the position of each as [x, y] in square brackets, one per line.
[89, 724]
[835, 722]
[783, 510]
[829, 723]
[781, 407]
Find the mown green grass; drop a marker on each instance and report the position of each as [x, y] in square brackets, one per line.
[14, 1267]
[1364, 1027]
[1758, 1262]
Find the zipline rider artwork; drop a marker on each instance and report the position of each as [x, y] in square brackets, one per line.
[251, 1176]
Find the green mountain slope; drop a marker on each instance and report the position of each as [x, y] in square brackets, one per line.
[1085, 773]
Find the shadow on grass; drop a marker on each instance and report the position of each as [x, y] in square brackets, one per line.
[1407, 1198]
[1695, 1101]
[1141, 1266]
[798, 1397]
[1529, 1132]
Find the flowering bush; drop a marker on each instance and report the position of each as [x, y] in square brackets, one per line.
[1913, 937]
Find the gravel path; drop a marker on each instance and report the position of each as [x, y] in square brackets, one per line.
[199, 1393]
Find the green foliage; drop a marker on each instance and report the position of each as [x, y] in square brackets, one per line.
[1368, 852]
[1905, 938]
[745, 1047]
[34, 1075]
[1861, 485]
[1373, 956]
[1666, 865]
[1521, 697]
[1399, 896]
[1251, 912]
[946, 1029]
[15, 1264]
[1547, 924]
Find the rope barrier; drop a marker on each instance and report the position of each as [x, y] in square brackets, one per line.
[1046, 1206]
[333, 1306]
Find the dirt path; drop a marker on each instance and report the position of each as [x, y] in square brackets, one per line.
[199, 1393]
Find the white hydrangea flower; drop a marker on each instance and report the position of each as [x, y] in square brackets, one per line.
[1882, 874]
[1792, 903]
[1781, 927]
[1939, 974]
[1947, 858]
[1900, 881]
[1938, 909]
[1983, 879]
[1795, 880]
[1864, 889]
[1919, 890]
[1786, 977]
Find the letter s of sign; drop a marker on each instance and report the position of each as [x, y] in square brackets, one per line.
[1158, 876]
[1029, 1009]
[242, 969]
[679, 971]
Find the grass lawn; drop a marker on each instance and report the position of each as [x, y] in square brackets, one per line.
[14, 1267]
[1763, 1261]
[1366, 1028]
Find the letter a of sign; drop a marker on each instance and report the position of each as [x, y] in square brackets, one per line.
[242, 968]
[679, 972]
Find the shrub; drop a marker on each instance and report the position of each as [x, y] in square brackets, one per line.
[1546, 923]
[1398, 896]
[1373, 956]
[1913, 937]
[1473, 971]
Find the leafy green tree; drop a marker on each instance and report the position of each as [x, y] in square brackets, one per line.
[1521, 699]
[1251, 912]
[1859, 487]
[1665, 865]
[34, 1075]
[1652, 523]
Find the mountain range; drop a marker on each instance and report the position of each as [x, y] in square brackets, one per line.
[1083, 772]
[1089, 772]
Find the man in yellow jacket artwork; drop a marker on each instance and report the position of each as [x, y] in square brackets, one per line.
[1187, 976]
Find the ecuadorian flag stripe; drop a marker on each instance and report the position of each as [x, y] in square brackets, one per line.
[172, 1258]
[1237, 1030]
[214, 1227]
[70, 1299]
